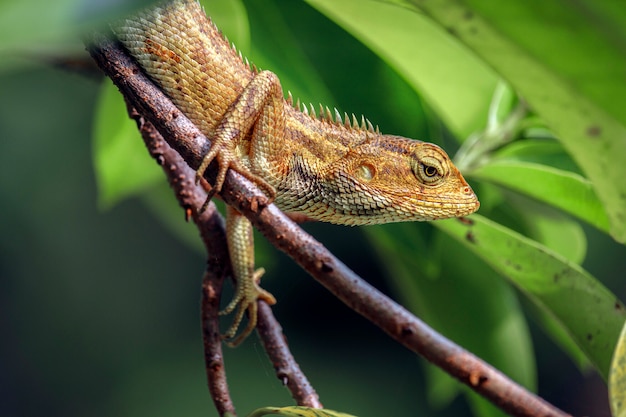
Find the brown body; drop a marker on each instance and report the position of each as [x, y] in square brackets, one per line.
[322, 167]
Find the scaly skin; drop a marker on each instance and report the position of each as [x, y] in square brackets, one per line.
[324, 168]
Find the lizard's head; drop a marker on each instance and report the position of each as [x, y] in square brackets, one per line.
[394, 179]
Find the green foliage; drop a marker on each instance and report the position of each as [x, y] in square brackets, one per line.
[123, 167]
[617, 378]
[589, 313]
[41, 28]
[541, 124]
[513, 168]
[578, 91]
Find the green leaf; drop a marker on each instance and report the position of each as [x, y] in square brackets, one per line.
[551, 228]
[569, 64]
[123, 166]
[617, 377]
[232, 19]
[456, 84]
[567, 191]
[44, 29]
[295, 71]
[589, 313]
[296, 411]
[539, 151]
[565, 236]
[558, 334]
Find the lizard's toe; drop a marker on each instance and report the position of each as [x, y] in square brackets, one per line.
[245, 301]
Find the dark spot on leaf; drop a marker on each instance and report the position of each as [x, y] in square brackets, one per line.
[594, 131]
[466, 221]
[468, 15]
[513, 265]
[618, 306]
[556, 277]
[452, 31]
[589, 337]
[470, 237]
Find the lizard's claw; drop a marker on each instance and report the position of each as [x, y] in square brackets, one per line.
[222, 151]
[245, 299]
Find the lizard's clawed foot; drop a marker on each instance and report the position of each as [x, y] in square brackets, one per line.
[245, 299]
[223, 152]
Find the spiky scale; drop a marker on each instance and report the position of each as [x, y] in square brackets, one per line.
[338, 117]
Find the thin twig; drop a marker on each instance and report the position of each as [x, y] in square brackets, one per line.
[286, 367]
[311, 255]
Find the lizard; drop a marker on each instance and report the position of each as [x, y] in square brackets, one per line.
[317, 167]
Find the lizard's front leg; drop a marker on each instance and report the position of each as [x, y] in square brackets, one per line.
[255, 118]
[241, 250]
[258, 107]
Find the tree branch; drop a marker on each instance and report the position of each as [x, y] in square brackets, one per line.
[311, 255]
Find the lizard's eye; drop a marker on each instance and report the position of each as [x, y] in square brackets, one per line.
[429, 170]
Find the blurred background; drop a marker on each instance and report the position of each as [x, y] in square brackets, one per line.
[99, 303]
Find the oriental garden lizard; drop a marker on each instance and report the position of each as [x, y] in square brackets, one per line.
[324, 167]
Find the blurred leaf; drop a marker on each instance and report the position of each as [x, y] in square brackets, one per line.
[289, 62]
[502, 104]
[539, 151]
[551, 228]
[588, 311]
[575, 86]
[617, 377]
[555, 330]
[564, 236]
[462, 300]
[49, 27]
[568, 191]
[231, 17]
[454, 82]
[296, 411]
[122, 164]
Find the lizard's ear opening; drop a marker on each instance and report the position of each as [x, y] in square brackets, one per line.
[429, 170]
[365, 171]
